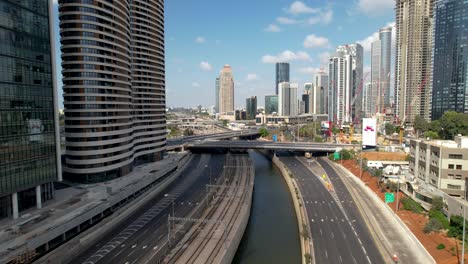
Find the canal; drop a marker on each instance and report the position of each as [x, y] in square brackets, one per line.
[272, 232]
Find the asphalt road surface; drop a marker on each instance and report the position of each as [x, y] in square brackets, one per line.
[338, 231]
[146, 230]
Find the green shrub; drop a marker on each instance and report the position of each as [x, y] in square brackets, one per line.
[440, 217]
[456, 227]
[440, 246]
[437, 203]
[392, 186]
[411, 205]
[432, 225]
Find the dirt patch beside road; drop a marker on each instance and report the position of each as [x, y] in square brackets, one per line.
[384, 156]
[414, 221]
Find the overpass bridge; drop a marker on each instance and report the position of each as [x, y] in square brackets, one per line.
[180, 143]
[265, 145]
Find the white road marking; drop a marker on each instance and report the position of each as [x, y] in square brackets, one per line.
[145, 246]
[134, 246]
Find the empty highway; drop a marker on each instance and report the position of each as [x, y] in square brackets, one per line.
[338, 231]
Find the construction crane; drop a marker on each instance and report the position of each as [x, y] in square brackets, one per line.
[353, 101]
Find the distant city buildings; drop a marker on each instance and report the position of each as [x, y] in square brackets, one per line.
[251, 107]
[29, 134]
[340, 88]
[271, 104]
[226, 90]
[217, 95]
[381, 50]
[287, 99]
[282, 74]
[414, 32]
[309, 98]
[114, 87]
[450, 63]
[321, 90]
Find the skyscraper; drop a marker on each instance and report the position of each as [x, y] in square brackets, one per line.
[226, 90]
[114, 86]
[340, 88]
[367, 100]
[376, 100]
[282, 73]
[380, 71]
[309, 98]
[271, 104]
[29, 135]
[450, 63]
[287, 99]
[217, 95]
[414, 31]
[356, 52]
[251, 107]
[321, 86]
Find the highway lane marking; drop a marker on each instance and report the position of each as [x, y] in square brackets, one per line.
[326, 253]
[332, 235]
[133, 251]
[341, 260]
[134, 246]
[156, 247]
[145, 246]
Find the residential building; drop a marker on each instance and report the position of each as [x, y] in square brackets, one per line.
[217, 95]
[271, 104]
[340, 88]
[114, 86]
[226, 90]
[356, 52]
[380, 71]
[450, 76]
[282, 74]
[367, 100]
[287, 99]
[251, 107]
[440, 165]
[376, 102]
[321, 86]
[29, 132]
[414, 29]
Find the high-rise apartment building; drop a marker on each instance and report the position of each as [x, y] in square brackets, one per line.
[282, 73]
[29, 134]
[450, 63]
[381, 50]
[251, 107]
[414, 29]
[287, 99]
[376, 102]
[271, 104]
[356, 52]
[321, 86]
[226, 90]
[309, 98]
[114, 86]
[217, 95]
[340, 88]
[368, 99]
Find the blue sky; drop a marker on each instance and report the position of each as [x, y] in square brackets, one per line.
[203, 35]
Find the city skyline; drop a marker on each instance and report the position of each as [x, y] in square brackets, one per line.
[201, 49]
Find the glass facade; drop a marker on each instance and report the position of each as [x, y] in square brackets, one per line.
[27, 130]
[450, 74]
[385, 37]
[282, 73]
[271, 104]
[251, 107]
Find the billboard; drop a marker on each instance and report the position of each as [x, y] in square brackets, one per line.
[35, 129]
[369, 132]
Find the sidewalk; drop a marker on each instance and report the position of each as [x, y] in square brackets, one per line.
[387, 228]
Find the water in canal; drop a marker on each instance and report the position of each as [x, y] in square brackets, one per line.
[272, 233]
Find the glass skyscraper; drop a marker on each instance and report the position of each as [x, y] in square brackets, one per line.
[29, 148]
[251, 107]
[282, 74]
[450, 63]
[271, 104]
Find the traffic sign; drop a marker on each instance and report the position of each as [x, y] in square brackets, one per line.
[336, 156]
[389, 197]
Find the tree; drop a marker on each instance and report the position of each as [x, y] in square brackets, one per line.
[389, 129]
[437, 203]
[188, 132]
[263, 132]
[225, 122]
[431, 135]
[453, 123]
[420, 125]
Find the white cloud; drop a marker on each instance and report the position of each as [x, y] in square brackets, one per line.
[205, 66]
[324, 58]
[309, 70]
[272, 28]
[312, 41]
[324, 17]
[286, 56]
[375, 7]
[252, 77]
[299, 7]
[287, 21]
[200, 40]
[195, 84]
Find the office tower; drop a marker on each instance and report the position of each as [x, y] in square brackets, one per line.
[380, 70]
[310, 102]
[450, 63]
[29, 135]
[306, 104]
[356, 52]
[251, 107]
[340, 88]
[367, 100]
[282, 74]
[114, 86]
[271, 104]
[217, 95]
[287, 99]
[321, 86]
[413, 58]
[226, 90]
